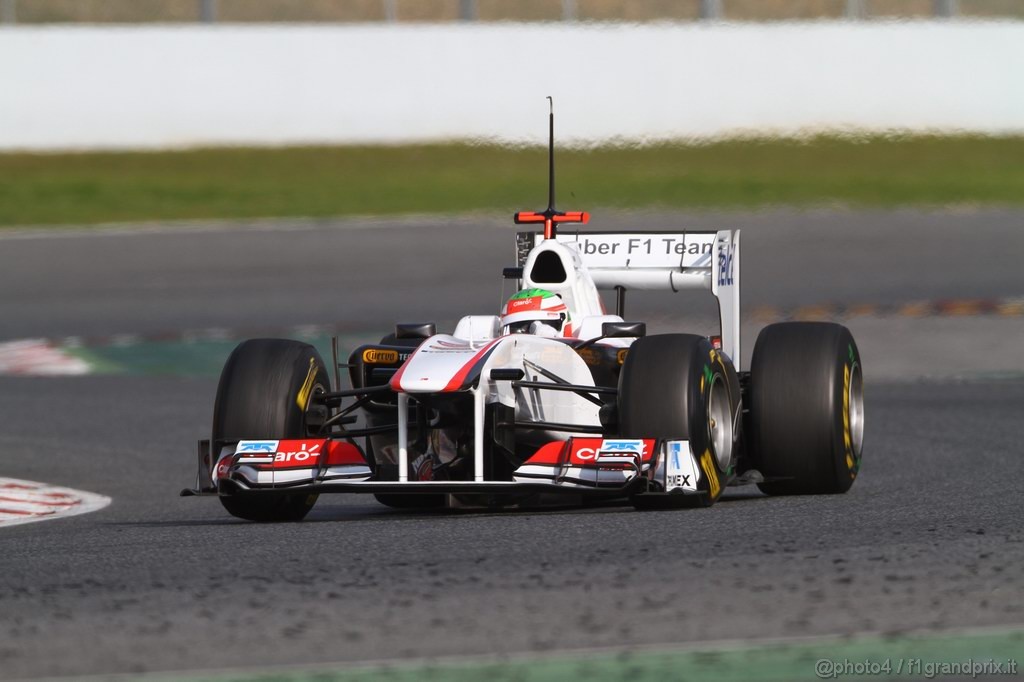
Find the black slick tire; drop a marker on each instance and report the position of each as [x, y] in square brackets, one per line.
[666, 391]
[261, 393]
[807, 408]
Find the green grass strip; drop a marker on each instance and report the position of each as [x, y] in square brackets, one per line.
[240, 183]
[952, 656]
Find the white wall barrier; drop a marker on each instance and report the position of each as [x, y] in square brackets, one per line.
[133, 87]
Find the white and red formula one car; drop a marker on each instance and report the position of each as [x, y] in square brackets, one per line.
[555, 399]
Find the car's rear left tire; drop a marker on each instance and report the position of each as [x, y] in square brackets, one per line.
[263, 393]
[807, 408]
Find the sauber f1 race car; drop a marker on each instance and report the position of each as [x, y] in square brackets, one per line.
[553, 400]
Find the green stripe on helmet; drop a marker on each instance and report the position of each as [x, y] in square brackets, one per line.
[531, 293]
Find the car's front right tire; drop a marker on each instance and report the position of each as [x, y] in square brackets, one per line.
[264, 390]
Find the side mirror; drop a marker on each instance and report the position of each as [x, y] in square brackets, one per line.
[507, 374]
[416, 330]
[619, 330]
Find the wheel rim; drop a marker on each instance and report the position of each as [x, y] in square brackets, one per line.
[855, 409]
[720, 422]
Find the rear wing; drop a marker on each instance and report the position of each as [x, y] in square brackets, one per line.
[661, 261]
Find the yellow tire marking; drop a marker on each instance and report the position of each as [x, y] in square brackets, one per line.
[302, 399]
[709, 470]
[847, 436]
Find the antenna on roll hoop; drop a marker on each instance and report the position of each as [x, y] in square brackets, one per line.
[551, 154]
[550, 216]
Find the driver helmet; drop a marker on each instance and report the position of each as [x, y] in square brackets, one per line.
[535, 311]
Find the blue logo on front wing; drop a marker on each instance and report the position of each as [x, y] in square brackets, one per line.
[636, 446]
[675, 448]
[257, 446]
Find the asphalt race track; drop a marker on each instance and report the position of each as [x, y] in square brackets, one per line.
[928, 539]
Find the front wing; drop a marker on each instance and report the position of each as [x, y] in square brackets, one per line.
[579, 466]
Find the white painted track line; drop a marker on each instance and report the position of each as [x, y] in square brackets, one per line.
[28, 501]
[39, 357]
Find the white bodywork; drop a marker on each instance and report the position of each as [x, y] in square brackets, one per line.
[446, 364]
[575, 266]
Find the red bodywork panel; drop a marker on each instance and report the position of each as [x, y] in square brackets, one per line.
[584, 451]
[292, 454]
[299, 453]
